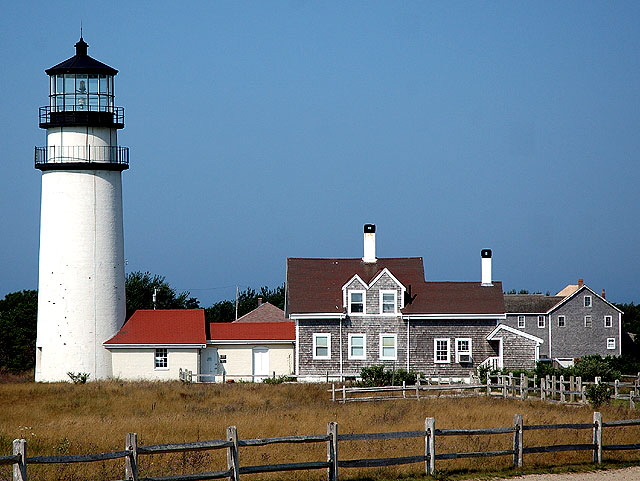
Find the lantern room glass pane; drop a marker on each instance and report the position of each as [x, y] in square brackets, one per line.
[103, 84]
[59, 84]
[93, 84]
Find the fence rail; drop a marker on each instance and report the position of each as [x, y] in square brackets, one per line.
[234, 470]
[550, 388]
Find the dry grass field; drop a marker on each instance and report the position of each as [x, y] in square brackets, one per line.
[77, 419]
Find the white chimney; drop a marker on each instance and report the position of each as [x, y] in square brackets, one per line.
[486, 267]
[369, 243]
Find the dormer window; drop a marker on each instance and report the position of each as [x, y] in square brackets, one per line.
[356, 302]
[388, 303]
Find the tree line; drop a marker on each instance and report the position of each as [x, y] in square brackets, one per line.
[18, 314]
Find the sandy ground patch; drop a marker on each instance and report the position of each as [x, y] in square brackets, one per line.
[627, 474]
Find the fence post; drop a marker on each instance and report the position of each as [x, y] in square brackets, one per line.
[562, 397]
[333, 392]
[597, 437]
[517, 441]
[20, 468]
[430, 446]
[572, 388]
[131, 461]
[583, 397]
[543, 389]
[233, 463]
[332, 451]
[344, 394]
[632, 405]
[505, 380]
[488, 384]
[522, 387]
[404, 387]
[616, 389]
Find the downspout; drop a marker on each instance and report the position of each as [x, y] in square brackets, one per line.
[408, 319]
[551, 358]
[340, 321]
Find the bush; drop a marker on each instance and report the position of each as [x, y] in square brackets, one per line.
[377, 376]
[598, 394]
[78, 378]
[278, 380]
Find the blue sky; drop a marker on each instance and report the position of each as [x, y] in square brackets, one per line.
[265, 130]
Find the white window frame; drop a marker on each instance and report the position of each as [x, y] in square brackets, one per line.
[435, 350]
[562, 321]
[364, 346]
[364, 301]
[395, 346]
[464, 351]
[611, 343]
[521, 322]
[588, 301]
[588, 321]
[161, 359]
[395, 302]
[327, 336]
[608, 321]
[542, 324]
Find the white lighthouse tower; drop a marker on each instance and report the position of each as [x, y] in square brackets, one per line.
[81, 293]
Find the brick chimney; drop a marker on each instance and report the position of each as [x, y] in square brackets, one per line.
[259, 301]
[580, 283]
[604, 294]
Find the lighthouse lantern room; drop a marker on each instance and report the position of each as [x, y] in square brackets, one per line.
[81, 296]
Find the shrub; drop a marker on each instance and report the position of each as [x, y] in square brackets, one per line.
[377, 376]
[78, 378]
[278, 380]
[598, 394]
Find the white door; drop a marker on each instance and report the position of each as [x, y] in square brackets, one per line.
[260, 363]
[209, 363]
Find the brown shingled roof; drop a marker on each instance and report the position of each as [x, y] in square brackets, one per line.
[315, 285]
[457, 298]
[265, 312]
[530, 303]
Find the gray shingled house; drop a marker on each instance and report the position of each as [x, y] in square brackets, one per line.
[352, 313]
[574, 323]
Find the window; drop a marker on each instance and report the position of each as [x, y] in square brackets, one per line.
[607, 321]
[322, 346]
[356, 302]
[463, 350]
[388, 302]
[611, 343]
[357, 346]
[562, 321]
[587, 301]
[441, 350]
[521, 322]
[388, 344]
[541, 321]
[161, 358]
[587, 321]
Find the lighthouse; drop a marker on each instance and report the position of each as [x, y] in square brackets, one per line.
[81, 284]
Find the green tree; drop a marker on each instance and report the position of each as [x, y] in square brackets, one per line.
[140, 287]
[225, 311]
[18, 321]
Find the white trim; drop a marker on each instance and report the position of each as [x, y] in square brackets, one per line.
[318, 315]
[435, 350]
[216, 342]
[524, 321]
[382, 292]
[395, 346]
[356, 277]
[512, 330]
[154, 346]
[437, 317]
[542, 318]
[314, 345]
[350, 292]
[590, 322]
[296, 349]
[610, 322]
[364, 346]
[564, 320]
[585, 301]
[464, 352]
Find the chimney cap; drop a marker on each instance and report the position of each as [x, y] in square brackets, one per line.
[369, 228]
[485, 253]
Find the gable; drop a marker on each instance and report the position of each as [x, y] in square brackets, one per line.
[502, 327]
[316, 285]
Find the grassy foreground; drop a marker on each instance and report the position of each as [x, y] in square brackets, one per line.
[65, 418]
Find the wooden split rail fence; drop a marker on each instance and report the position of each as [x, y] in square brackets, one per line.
[549, 388]
[333, 440]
